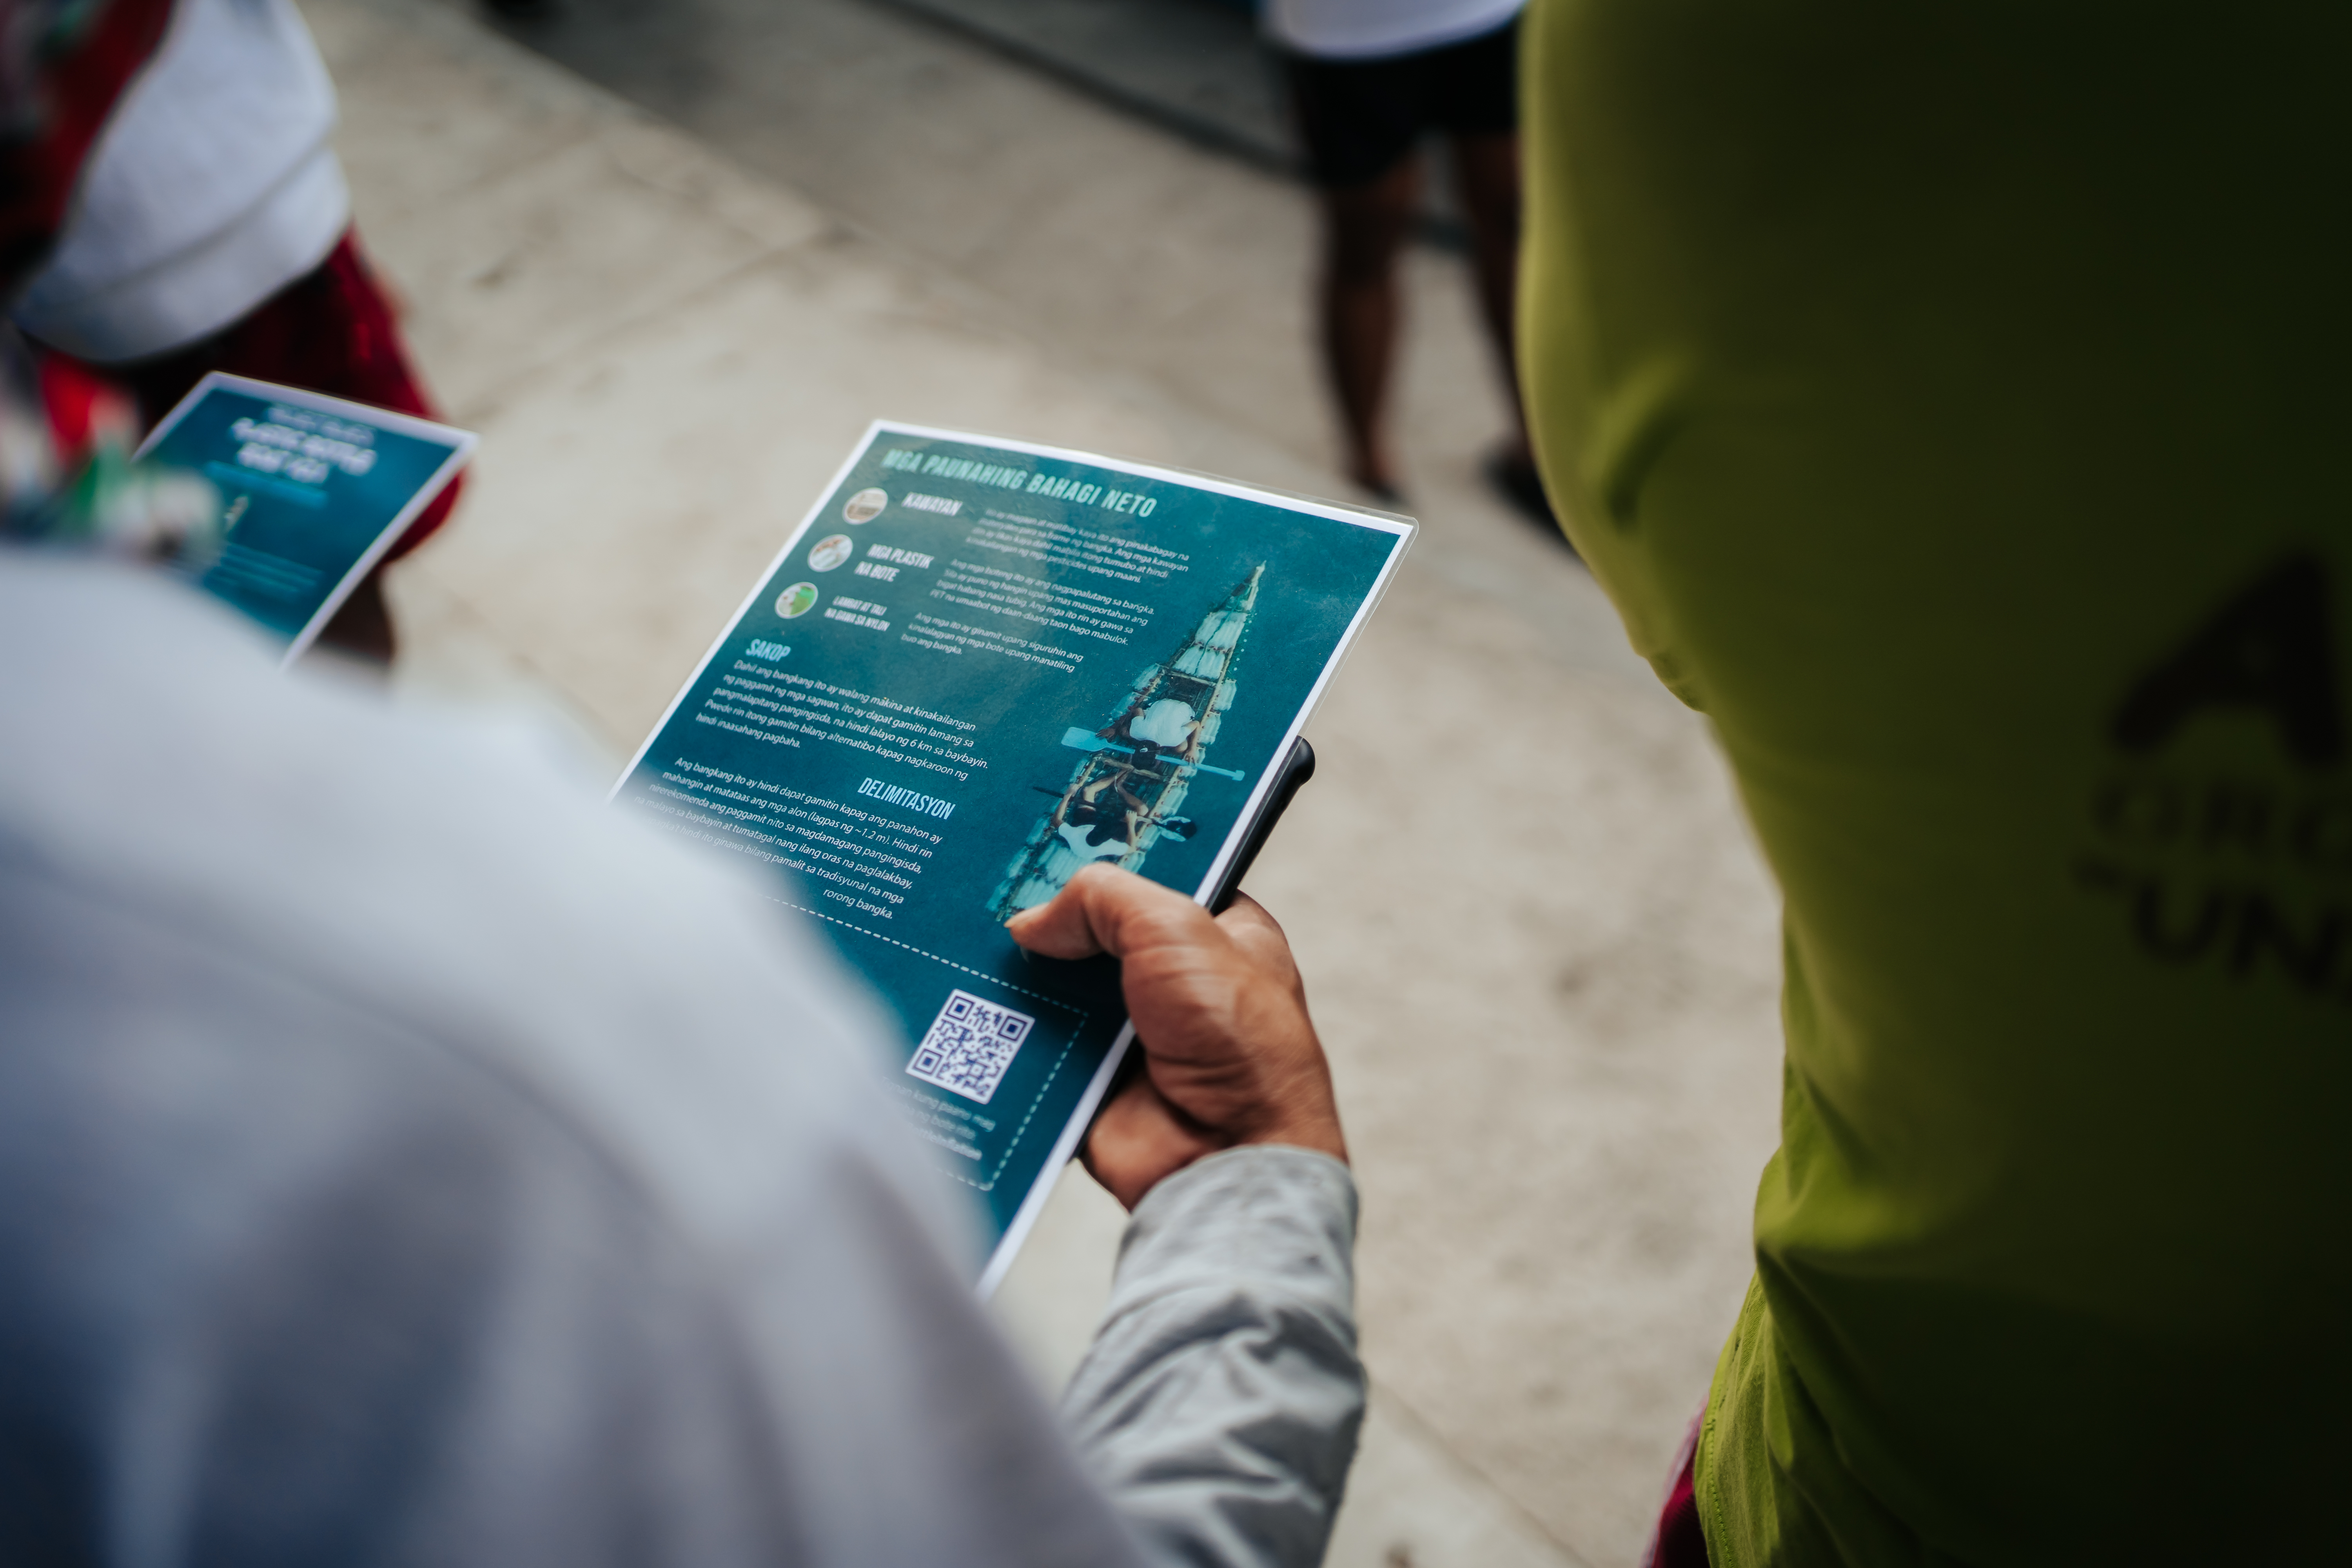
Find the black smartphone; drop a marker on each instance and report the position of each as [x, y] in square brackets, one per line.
[1297, 767]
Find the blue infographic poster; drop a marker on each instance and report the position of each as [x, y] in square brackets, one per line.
[976, 667]
[313, 490]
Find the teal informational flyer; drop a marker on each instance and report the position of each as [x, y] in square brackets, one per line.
[977, 666]
[313, 491]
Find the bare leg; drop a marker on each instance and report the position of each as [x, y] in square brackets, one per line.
[1364, 228]
[1486, 173]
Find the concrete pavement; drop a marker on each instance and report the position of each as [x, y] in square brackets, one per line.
[1539, 943]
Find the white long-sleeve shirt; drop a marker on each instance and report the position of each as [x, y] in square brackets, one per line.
[212, 187]
[403, 1155]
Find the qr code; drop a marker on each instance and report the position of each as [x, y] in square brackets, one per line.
[970, 1045]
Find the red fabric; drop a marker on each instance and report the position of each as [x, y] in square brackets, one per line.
[331, 330]
[82, 406]
[73, 78]
[1679, 1543]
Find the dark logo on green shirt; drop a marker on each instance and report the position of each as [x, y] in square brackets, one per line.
[2270, 649]
[2233, 870]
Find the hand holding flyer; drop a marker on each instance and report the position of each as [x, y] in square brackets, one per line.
[1230, 1055]
[978, 667]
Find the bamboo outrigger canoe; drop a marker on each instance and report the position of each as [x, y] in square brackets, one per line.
[1126, 790]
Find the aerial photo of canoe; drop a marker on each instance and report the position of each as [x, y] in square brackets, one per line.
[1128, 787]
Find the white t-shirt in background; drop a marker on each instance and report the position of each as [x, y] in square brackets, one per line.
[212, 187]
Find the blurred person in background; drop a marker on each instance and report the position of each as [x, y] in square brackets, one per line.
[1369, 81]
[212, 231]
[1952, 399]
[404, 1157]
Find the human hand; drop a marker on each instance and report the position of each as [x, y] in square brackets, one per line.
[1229, 1055]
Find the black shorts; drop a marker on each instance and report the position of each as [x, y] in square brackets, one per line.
[1359, 117]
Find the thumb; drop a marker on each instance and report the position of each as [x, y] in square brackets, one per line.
[1102, 909]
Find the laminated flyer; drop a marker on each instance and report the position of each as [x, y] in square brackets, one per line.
[313, 490]
[977, 666]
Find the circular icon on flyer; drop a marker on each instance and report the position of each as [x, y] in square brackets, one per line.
[831, 552]
[797, 601]
[865, 506]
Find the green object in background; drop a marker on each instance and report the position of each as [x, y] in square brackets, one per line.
[1952, 400]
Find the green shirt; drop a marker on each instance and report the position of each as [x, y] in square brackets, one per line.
[1954, 400]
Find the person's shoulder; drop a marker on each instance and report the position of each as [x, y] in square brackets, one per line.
[461, 876]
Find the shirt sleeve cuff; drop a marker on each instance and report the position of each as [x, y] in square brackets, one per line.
[1274, 1214]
